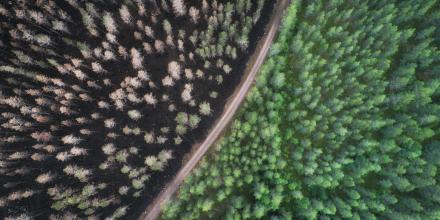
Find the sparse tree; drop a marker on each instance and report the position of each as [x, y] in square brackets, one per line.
[149, 137]
[125, 14]
[136, 59]
[44, 178]
[168, 81]
[159, 46]
[167, 27]
[150, 99]
[109, 23]
[194, 13]
[109, 148]
[149, 32]
[179, 7]
[70, 139]
[205, 108]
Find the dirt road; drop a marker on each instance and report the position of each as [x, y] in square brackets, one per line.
[153, 211]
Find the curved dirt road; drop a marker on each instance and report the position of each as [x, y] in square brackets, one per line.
[255, 62]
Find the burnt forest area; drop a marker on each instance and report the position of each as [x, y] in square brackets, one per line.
[81, 117]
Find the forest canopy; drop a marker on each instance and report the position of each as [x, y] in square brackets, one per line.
[343, 122]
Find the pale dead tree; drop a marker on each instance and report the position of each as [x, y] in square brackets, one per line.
[33, 92]
[179, 7]
[165, 5]
[109, 55]
[78, 151]
[186, 94]
[134, 114]
[126, 130]
[140, 25]
[149, 137]
[133, 82]
[50, 148]
[136, 59]
[93, 84]
[136, 131]
[189, 74]
[85, 131]
[107, 82]
[67, 123]
[97, 68]
[192, 103]
[205, 7]
[118, 94]
[122, 52]
[109, 123]
[111, 38]
[69, 96]
[165, 98]
[119, 104]
[42, 136]
[167, 81]
[152, 85]
[199, 73]
[143, 75]
[167, 27]
[18, 155]
[76, 62]
[180, 45]
[38, 157]
[153, 19]
[214, 5]
[19, 13]
[147, 48]
[95, 115]
[137, 35]
[174, 69]
[40, 118]
[191, 56]
[150, 99]
[159, 46]
[149, 31]
[125, 14]
[133, 98]
[182, 58]
[141, 8]
[3, 202]
[44, 178]
[85, 97]
[108, 149]
[38, 17]
[172, 108]
[106, 45]
[104, 165]
[66, 110]
[82, 120]
[109, 23]
[71, 139]
[194, 13]
[170, 41]
[97, 52]
[161, 139]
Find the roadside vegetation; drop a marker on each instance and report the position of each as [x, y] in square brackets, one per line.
[343, 122]
[100, 100]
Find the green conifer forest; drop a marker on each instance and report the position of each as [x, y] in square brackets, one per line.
[343, 122]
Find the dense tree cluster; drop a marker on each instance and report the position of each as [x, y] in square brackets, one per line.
[343, 122]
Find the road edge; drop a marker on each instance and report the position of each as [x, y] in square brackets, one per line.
[233, 103]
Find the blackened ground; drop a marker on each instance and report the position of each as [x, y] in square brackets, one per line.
[160, 116]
